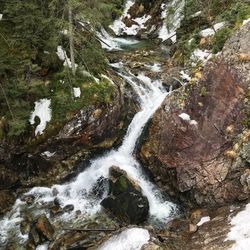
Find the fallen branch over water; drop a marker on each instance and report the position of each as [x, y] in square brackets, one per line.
[91, 230]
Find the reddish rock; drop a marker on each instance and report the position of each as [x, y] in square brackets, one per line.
[196, 160]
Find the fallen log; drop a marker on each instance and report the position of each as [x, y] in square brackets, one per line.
[91, 229]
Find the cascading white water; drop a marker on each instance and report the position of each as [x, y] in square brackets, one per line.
[78, 192]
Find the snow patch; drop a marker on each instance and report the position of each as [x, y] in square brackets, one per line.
[185, 76]
[168, 30]
[48, 154]
[63, 57]
[107, 78]
[185, 117]
[200, 55]
[240, 231]
[77, 92]
[45, 246]
[43, 111]
[197, 14]
[129, 239]
[246, 21]
[211, 31]
[193, 122]
[203, 220]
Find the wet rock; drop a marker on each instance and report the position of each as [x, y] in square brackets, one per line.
[100, 187]
[125, 200]
[151, 246]
[29, 199]
[56, 210]
[25, 227]
[68, 208]
[7, 200]
[44, 228]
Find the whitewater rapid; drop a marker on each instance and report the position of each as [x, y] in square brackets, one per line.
[79, 192]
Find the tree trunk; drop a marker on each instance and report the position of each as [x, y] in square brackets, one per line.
[71, 42]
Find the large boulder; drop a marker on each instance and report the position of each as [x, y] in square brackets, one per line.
[40, 231]
[125, 200]
[197, 144]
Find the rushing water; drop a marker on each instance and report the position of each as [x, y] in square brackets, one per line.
[79, 191]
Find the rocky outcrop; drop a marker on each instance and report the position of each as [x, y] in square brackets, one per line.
[200, 230]
[197, 141]
[50, 159]
[125, 200]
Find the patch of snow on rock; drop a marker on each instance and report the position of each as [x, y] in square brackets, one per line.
[43, 111]
[77, 92]
[240, 231]
[185, 117]
[200, 55]
[185, 76]
[203, 220]
[129, 239]
[193, 122]
[211, 31]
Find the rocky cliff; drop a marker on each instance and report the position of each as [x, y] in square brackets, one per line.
[197, 146]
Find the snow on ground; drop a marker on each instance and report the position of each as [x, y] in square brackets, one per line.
[184, 76]
[200, 55]
[246, 21]
[168, 29]
[107, 78]
[45, 246]
[43, 111]
[203, 220]
[63, 56]
[211, 31]
[197, 14]
[48, 154]
[240, 231]
[77, 92]
[185, 117]
[118, 26]
[129, 239]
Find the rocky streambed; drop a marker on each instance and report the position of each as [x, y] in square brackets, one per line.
[172, 168]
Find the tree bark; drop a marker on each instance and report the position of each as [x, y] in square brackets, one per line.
[71, 42]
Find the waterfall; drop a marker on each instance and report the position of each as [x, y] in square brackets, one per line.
[78, 192]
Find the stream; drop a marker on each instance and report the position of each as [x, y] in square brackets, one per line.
[79, 191]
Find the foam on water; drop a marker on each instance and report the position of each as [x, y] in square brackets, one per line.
[79, 192]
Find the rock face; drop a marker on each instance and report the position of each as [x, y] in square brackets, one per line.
[197, 142]
[52, 158]
[125, 200]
